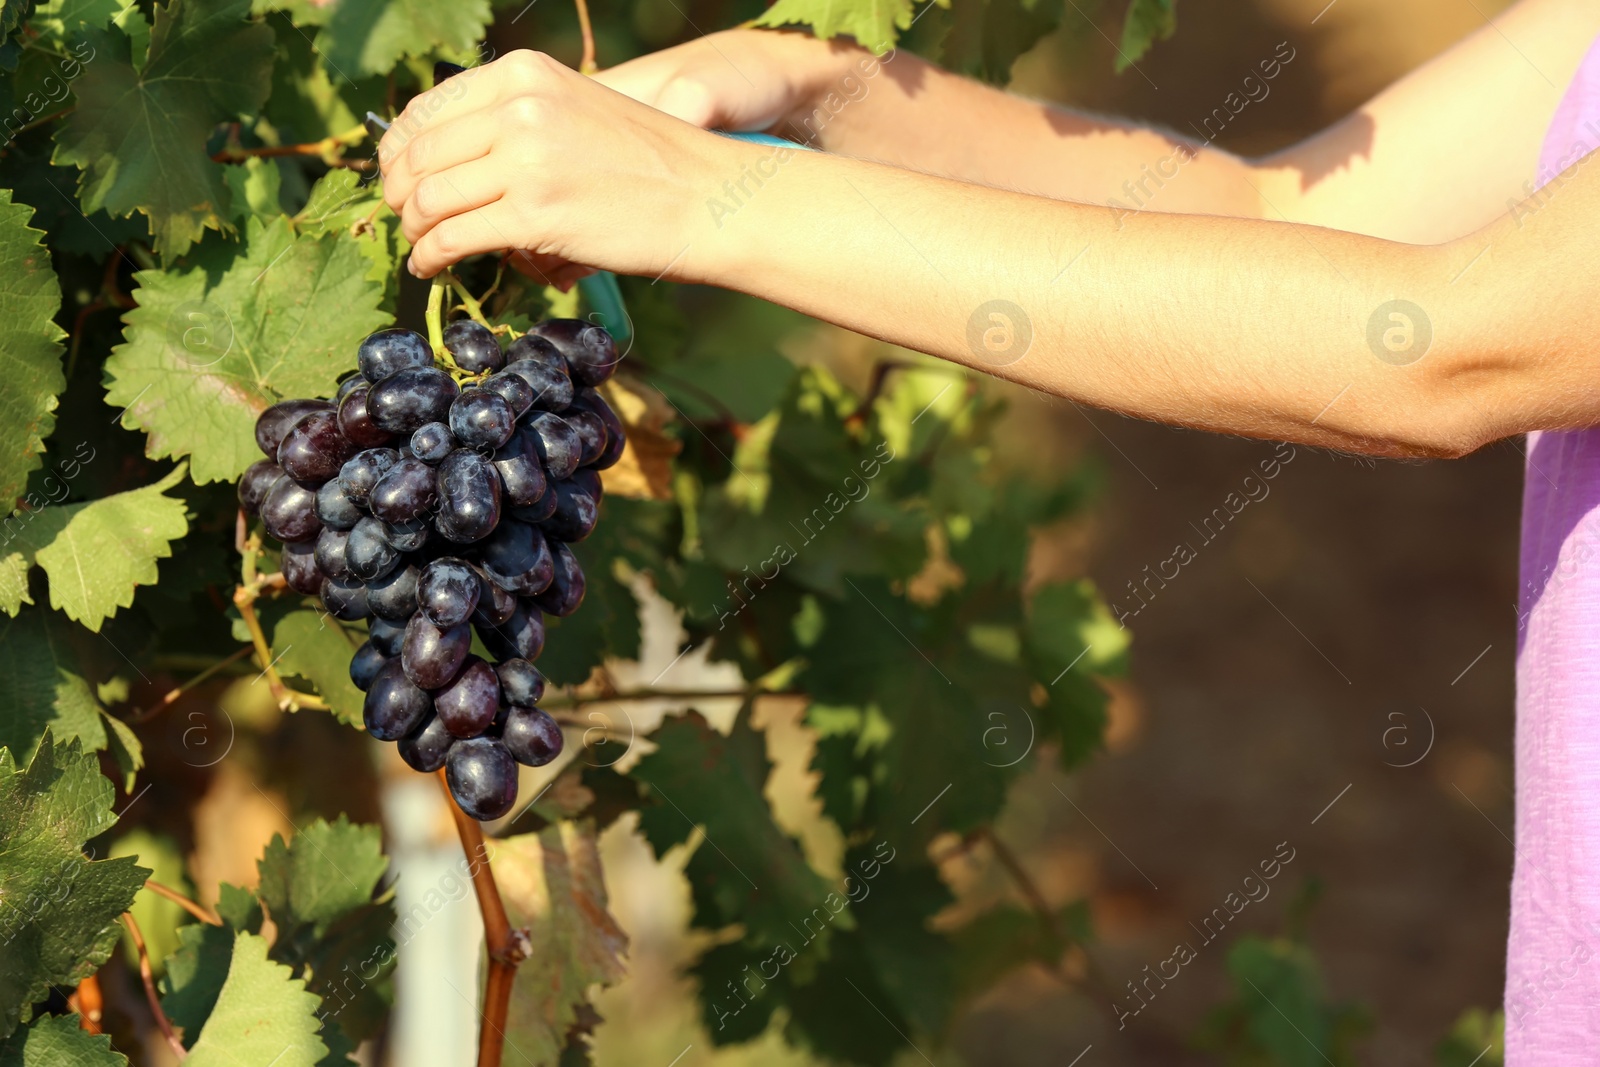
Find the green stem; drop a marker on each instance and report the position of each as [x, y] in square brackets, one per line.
[474, 308]
[434, 317]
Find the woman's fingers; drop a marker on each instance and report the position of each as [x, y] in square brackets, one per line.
[492, 228]
[446, 193]
[438, 147]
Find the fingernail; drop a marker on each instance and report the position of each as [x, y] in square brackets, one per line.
[412, 267]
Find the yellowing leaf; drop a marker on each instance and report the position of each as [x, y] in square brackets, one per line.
[552, 886]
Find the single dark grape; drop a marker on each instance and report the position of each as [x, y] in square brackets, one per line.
[591, 432]
[469, 497]
[274, 423]
[495, 605]
[482, 777]
[410, 399]
[469, 702]
[365, 665]
[368, 552]
[481, 420]
[300, 570]
[616, 434]
[531, 736]
[256, 482]
[557, 444]
[426, 747]
[517, 393]
[432, 442]
[448, 591]
[473, 347]
[408, 536]
[520, 682]
[577, 510]
[346, 386]
[345, 599]
[290, 512]
[566, 588]
[336, 510]
[590, 352]
[519, 637]
[537, 362]
[385, 636]
[389, 352]
[517, 558]
[405, 492]
[394, 596]
[394, 706]
[362, 471]
[432, 655]
[356, 423]
[332, 546]
[540, 509]
[313, 450]
[521, 471]
[443, 69]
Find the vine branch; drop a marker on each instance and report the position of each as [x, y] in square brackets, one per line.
[173, 696]
[149, 981]
[507, 947]
[199, 911]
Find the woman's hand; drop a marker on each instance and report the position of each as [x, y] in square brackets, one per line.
[527, 155]
[738, 79]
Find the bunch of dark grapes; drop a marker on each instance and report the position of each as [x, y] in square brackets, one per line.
[436, 502]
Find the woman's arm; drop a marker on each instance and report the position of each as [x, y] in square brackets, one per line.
[1253, 327]
[1434, 156]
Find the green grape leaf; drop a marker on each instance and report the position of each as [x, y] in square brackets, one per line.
[46, 687]
[873, 23]
[254, 185]
[30, 348]
[333, 928]
[747, 870]
[986, 37]
[1280, 1013]
[314, 646]
[12, 12]
[194, 976]
[138, 134]
[261, 1015]
[1478, 1039]
[359, 38]
[339, 204]
[553, 887]
[96, 553]
[1147, 22]
[1070, 637]
[937, 701]
[58, 1041]
[59, 923]
[328, 871]
[203, 359]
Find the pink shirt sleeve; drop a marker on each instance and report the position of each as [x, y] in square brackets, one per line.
[1552, 998]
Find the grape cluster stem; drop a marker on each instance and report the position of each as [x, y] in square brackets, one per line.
[507, 947]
